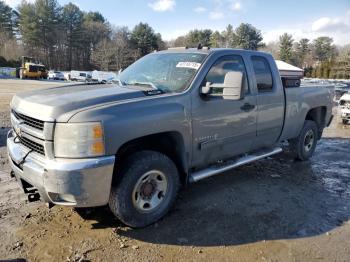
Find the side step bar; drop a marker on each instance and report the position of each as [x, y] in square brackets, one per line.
[214, 170]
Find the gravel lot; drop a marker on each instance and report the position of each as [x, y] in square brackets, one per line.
[272, 210]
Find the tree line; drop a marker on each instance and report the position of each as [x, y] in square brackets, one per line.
[319, 58]
[66, 38]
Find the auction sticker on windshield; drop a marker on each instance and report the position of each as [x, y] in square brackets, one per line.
[192, 65]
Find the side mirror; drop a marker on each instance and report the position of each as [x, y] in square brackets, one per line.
[206, 90]
[233, 86]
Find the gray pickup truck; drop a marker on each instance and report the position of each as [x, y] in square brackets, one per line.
[175, 117]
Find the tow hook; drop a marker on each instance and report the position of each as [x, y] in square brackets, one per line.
[33, 197]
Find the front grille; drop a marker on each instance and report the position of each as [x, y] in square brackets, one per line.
[29, 120]
[32, 145]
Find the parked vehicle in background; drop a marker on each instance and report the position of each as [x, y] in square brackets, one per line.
[177, 116]
[31, 68]
[67, 75]
[80, 76]
[56, 75]
[103, 77]
[344, 105]
[43, 72]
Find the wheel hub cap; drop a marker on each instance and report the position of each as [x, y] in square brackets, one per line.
[149, 191]
[309, 140]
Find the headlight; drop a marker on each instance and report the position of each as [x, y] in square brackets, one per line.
[79, 140]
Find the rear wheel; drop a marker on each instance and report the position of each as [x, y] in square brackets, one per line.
[147, 189]
[345, 121]
[304, 145]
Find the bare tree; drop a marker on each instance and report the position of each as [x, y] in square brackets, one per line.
[103, 56]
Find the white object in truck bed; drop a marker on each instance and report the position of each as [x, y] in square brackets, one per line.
[288, 70]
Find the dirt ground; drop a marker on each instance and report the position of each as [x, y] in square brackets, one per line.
[272, 210]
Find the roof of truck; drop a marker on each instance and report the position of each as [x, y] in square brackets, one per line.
[206, 50]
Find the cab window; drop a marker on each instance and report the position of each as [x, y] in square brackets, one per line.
[263, 74]
[217, 72]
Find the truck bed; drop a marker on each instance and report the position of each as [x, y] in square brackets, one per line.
[299, 101]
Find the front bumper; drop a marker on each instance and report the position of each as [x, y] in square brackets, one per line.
[70, 182]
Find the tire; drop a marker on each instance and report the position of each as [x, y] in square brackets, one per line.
[303, 146]
[146, 176]
[345, 121]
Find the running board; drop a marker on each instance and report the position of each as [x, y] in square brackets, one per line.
[214, 170]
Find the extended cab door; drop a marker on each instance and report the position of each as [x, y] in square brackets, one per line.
[270, 101]
[222, 128]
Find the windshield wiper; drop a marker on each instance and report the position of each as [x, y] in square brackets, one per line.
[153, 91]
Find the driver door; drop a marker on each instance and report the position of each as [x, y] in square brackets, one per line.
[223, 128]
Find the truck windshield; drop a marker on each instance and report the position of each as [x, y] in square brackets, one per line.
[169, 72]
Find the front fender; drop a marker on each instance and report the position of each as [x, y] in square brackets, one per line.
[124, 122]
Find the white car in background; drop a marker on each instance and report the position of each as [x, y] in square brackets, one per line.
[56, 75]
[344, 106]
[80, 76]
[66, 75]
[103, 77]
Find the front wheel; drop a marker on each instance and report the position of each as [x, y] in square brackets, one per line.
[304, 145]
[345, 121]
[147, 189]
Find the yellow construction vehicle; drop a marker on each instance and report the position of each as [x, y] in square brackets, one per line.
[31, 68]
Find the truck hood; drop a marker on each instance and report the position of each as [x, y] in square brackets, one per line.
[49, 104]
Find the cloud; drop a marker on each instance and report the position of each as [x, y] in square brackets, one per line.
[162, 5]
[200, 9]
[216, 15]
[326, 25]
[224, 8]
[236, 6]
[338, 28]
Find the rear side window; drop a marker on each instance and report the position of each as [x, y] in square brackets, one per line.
[263, 74]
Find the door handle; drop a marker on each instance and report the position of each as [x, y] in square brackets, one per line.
[247, 107]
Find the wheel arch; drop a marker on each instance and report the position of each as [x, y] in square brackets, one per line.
[318, 115]
[169, 143]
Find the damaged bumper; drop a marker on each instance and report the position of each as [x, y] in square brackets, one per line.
[70, 182]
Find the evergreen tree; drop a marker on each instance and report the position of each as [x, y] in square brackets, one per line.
[196, 37]
[72, 18]
[28, 25]
[144, 38]
[248, 37]
[228, 37]
[95, 29]
[286, 47]
[7, 19]
[216, 39]
[323, 48]
[302, 50]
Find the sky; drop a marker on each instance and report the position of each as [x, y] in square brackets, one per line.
[172, 18]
